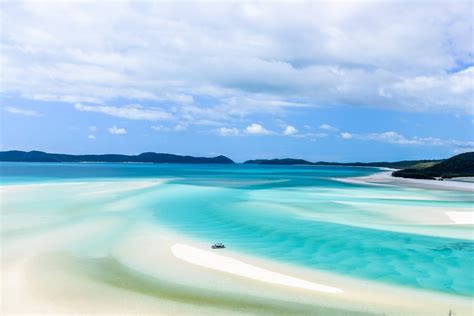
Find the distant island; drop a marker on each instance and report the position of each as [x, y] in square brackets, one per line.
[149, 157]
[461, 165]
[384, 164]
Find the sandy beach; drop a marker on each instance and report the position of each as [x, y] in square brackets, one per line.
[235, 157]
[142, 274]
[105, 263]
[438, 217]
[385, 178]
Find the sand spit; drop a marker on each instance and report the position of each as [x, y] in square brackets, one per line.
[214, 261]
[385, 178]
[462, 218]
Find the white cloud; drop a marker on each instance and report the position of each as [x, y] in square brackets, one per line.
[328, 128]
[14, 110]
[392, 137]
[93, 129]
[290, 130]
[116, 130]
[91, 136]
[453, 91]
[363, 53]
[226, 131]
[131, 112]
[256, 129]
[345, 135]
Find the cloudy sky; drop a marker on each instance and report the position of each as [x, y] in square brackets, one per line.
[340, 81]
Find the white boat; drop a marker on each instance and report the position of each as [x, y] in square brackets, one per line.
[218, 245]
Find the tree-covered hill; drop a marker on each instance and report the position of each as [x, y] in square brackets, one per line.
[461, 165]
[150, 157]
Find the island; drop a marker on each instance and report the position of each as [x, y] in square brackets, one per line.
[383, 164]
[461, 165]
[148, 157]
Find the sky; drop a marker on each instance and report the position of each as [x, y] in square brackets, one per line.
[334, 81]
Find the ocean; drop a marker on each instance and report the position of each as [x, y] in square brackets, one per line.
[298, 215]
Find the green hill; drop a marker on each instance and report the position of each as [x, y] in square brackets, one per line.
[150, 157]
[395, 165]
[458, 166]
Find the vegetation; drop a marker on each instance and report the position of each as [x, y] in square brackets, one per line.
[150, 157]
[458, 166]
[395, 165]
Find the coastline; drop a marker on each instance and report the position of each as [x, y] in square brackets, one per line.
[118, 262]
[158, 280]
[385, 178]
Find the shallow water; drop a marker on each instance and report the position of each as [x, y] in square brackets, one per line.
[296, 214]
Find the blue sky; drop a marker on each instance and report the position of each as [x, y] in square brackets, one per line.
[331, 81]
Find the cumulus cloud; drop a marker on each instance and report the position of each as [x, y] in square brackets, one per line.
[228, 131]
[93, 129]
[396, 138]
[14, 110]
[392, 137]
[328, 128]
[258, 59]
[117, 130]
[454, 91]
[345, 135]
[91, 136]
[256, 129]
[131, 112]
[290, 130]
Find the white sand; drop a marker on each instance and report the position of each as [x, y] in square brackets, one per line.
[227, 264]
[115, 262]
[463, 218]
[385, 178]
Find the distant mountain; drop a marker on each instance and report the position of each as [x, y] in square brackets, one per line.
[461, 165]
[150, 157]
[394, 165]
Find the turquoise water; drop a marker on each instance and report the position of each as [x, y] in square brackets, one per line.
[298, 215]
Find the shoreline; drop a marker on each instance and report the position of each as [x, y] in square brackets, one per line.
[116, 261]
[39, 282]
[385, 178]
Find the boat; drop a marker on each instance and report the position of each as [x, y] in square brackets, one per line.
[218, 245]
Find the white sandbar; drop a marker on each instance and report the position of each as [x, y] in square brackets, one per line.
[466, 218]
[386, 178]
[214, 261]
